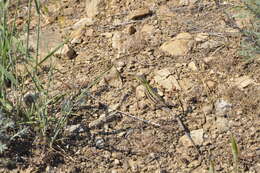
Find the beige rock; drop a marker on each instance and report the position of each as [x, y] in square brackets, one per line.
[243, 82]
[201, 37]
[210, 44]
[92, 7]
[184, 36]
[178, 46]
[117, 162]
[211, 84]
[117, 40]
[140, 91]
[76, 35]
[207, 109]
[196, 135]
[192, 66]
[113, 78]
[147, 29]
[163, 73]
[164, 78]
[139, 13]
[169, 83]
[185, 84]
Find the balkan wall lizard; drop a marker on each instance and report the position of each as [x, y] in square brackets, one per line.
[159, 101]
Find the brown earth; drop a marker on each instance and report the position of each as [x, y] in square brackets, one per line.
[188, 50]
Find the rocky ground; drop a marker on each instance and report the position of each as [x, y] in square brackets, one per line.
[188, 50]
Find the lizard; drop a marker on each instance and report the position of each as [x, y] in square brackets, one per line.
[155, 98]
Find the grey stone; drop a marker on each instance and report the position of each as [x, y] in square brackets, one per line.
[222, 106]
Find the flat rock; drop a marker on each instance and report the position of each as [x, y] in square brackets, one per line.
[196, 135]
[164, 78]
[139, 13]
[243, 82]
[210, 44]
[178, 46]
[211, 84]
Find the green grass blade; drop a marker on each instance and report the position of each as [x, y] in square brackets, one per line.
[235, 153]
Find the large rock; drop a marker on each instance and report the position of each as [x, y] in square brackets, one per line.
[165, 78]
[179, 45]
